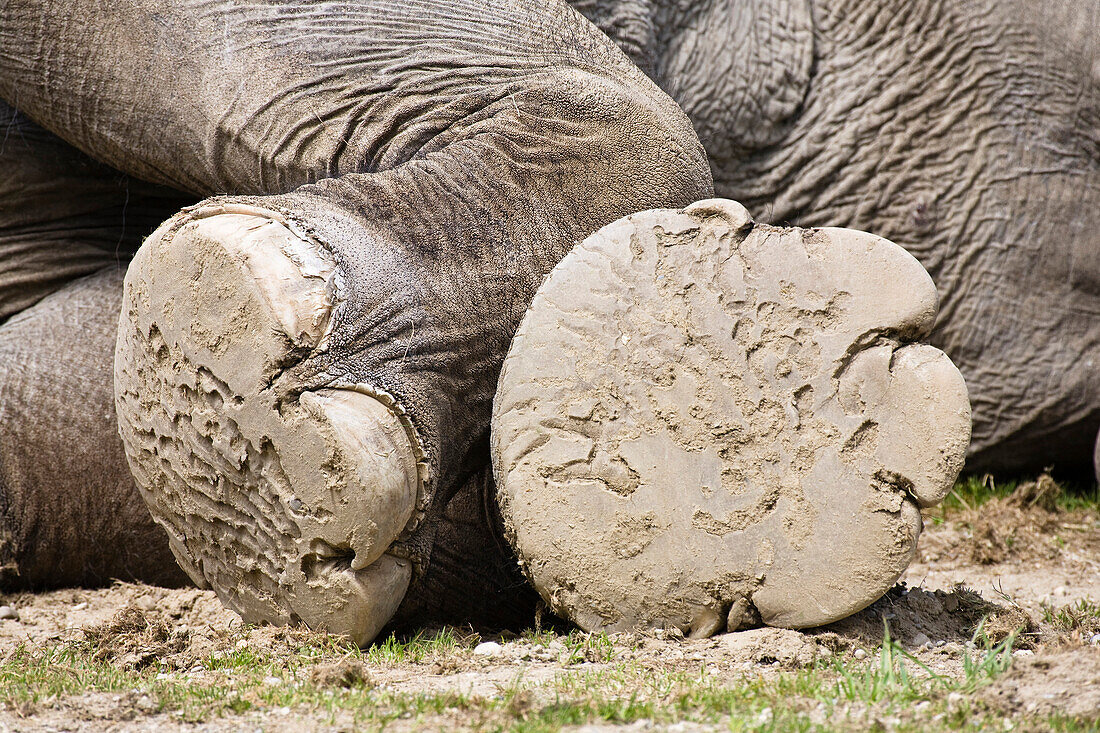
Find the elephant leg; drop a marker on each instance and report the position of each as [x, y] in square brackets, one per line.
[69, 511]
[705, 422]
[304, 371]
[1096, 458]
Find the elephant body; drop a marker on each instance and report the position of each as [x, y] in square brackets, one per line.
[448, 156]
[969, 133]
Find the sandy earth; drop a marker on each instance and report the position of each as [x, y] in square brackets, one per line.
[1022, 560]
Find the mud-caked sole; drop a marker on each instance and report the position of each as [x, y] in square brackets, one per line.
[705, 423]
[284, 502]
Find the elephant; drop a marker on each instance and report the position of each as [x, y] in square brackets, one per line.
[443, 310]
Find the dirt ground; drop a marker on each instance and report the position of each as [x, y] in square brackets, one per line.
[1027, 569]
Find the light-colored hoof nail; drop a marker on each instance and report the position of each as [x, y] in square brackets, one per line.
[705, 423]
[284, 504]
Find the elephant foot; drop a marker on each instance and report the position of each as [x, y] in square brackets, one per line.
[707, 423]
[285, 502]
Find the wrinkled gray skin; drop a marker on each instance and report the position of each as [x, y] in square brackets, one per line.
[966, 133]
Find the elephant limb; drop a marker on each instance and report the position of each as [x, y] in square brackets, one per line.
[306, 363]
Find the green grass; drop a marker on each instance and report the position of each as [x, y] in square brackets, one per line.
[416, 649]
[1076, 622]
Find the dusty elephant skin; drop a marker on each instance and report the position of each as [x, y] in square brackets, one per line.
[391, 183]
[69, 511]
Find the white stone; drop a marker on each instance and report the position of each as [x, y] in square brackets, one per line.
[488, 649]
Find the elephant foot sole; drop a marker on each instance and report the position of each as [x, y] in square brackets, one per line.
[285, 503]
[707, 423]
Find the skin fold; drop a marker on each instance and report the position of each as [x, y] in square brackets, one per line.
[470, 145]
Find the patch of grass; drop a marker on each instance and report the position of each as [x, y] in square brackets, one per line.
[893, 678]
[1073, 616]
[831, 694]
[418, 648]
[1074, 623]
[970, 492]
[890, 689]
[32, 674]
[582, 647]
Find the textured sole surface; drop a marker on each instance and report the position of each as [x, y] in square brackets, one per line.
[284, 504]
[704, 421]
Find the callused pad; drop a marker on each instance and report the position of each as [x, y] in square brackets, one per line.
[703, 421]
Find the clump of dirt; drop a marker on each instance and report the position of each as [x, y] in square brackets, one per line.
[1003, 531]
[787, 648]
[346, 672]
[1042, 493]
[1052, 683]
[136, 626]
[1026, 526]
[134, 639]
[1015, 622]
[916, 617]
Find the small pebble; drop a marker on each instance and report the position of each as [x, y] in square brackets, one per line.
[1022, 653]
[80, 606]
[488, 649]
[1094, 639]
[1060, 590]
[859, 654]
[272, 681]
[951, 603]
[145, 603]
[921, 639]
[9, 612]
